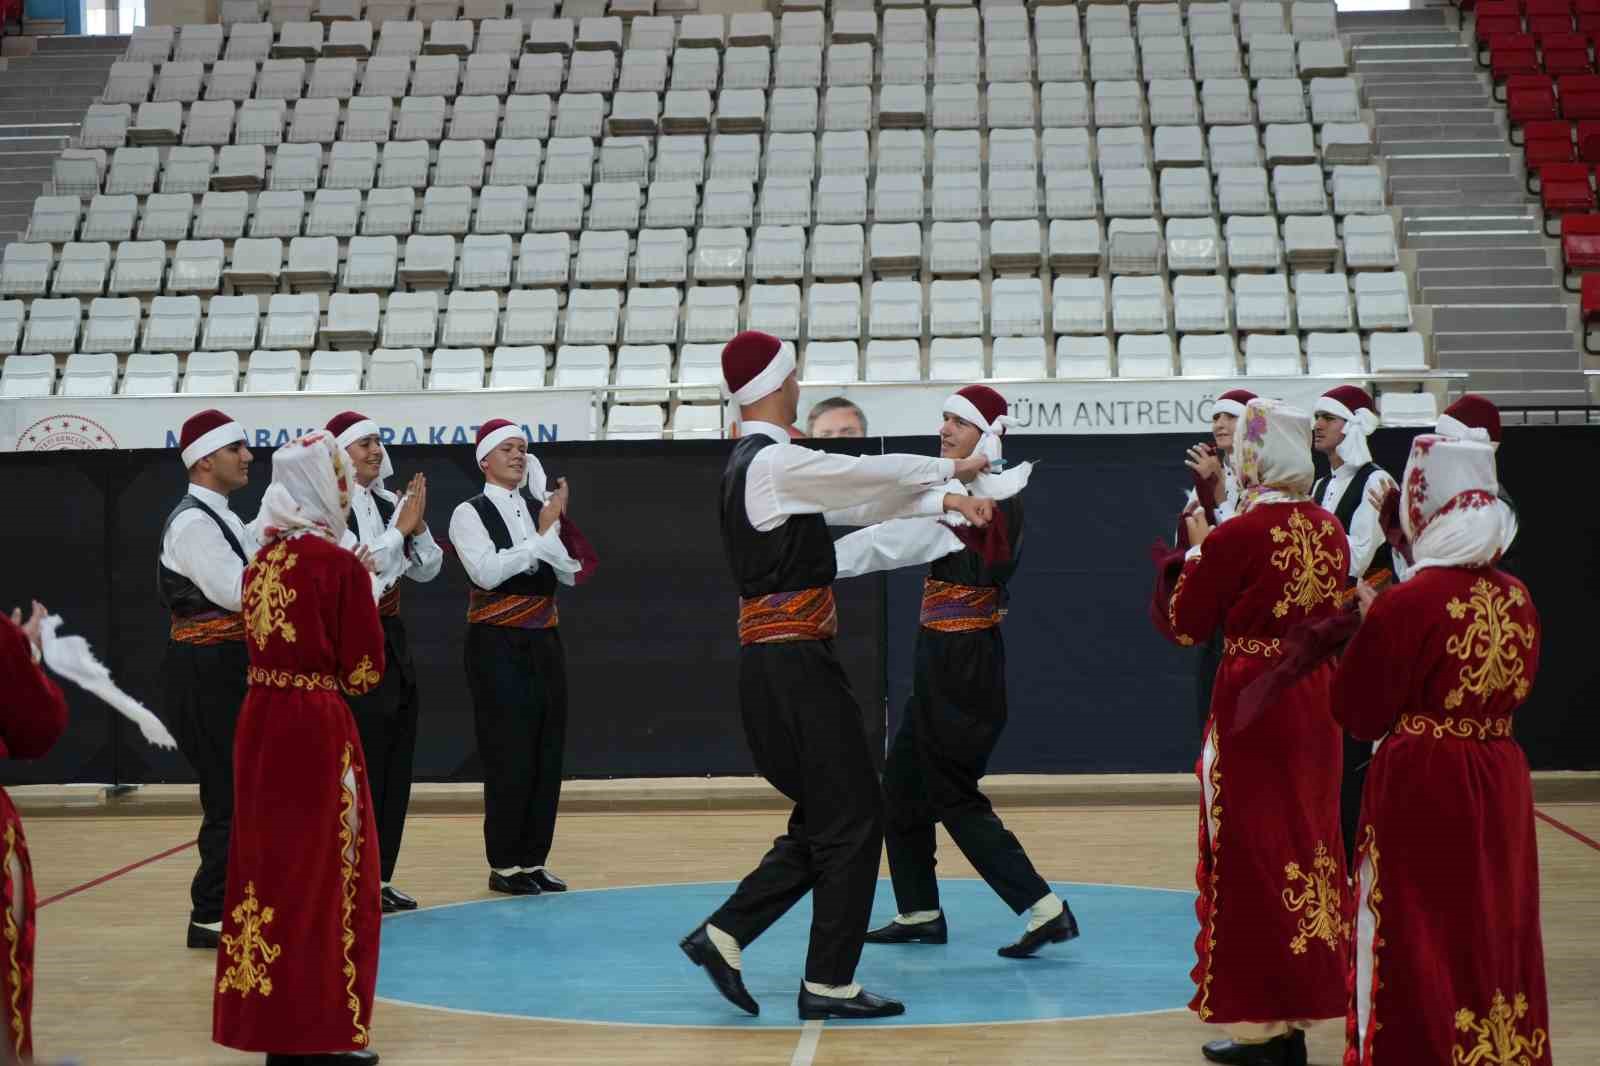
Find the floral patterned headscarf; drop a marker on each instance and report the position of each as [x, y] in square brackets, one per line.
[1272, 452]
[1451, 509]
[310, 490]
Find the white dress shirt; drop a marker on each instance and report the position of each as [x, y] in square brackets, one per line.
[787, 479]
[195, 547]
[490, 567]
[388, 544]
[1364, 533]
[894, 544]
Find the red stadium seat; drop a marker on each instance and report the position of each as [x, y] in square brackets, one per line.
[1511, 54]
[1580, 95]
[1529, 98]
[1589, 141]
[1566, 53]
[1543, 25]
[1590, 303]
[1564, 189]
[1545, 143]
[1580, 246]
[1494, 19]
[1586, 7]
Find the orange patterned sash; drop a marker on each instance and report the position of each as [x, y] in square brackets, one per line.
[807, 614]
[205, 630]
[951, 608]
[1421, 725]
[265, 677]
[389, 604]
[512, 610]
[1253, 647]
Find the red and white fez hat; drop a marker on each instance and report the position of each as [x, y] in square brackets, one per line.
[755, 364]
[1471, 418]
[1232, 402]
[206, 432]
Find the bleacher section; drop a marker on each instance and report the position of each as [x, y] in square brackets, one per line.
[443, 198]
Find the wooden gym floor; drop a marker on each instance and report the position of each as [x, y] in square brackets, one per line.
[116, 985]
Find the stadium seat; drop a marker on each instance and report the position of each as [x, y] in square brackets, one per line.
[272, 370]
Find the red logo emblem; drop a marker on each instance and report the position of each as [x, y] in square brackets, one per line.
[65, 433]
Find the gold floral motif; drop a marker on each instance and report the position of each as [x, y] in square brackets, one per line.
[1464, 729]
[1318, 900]
[1497, 1041]
[1369, 849]
[261, 675]
[1314, 572]
[19, 1023]
[349, 860]
[1261, 649]
[363, 677]
[266, 598]
[1491, 638]
[247, 975]
[1172, 612]
[1204, 1010]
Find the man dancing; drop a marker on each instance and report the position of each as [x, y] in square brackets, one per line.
[957, 708]
[200, 577]
[395, 534]
[801, 720]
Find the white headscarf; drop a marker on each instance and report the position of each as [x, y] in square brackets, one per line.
[310, 490]
[368, 428]
[1272, 452]
[1358, 426]
[1451, 510]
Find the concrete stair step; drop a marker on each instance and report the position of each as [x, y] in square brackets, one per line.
[1445, 197]
[1491, 295]
[116, 43]
[1567, 385]
[1566, 360]
[1485, 258]
[1491, 146]
[1573, 397]
[1465, 131]
[1449, 165]
[1500, 277]
[1476, 329]
[1424, 113]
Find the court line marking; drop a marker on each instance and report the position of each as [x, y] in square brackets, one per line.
[805, 1052]
[1567, 829]
[102, 879]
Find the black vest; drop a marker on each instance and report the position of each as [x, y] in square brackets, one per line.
[178, 593]
[968, 568]
[385, 512]
[1345, 512]
[797, 555]
[542, 581]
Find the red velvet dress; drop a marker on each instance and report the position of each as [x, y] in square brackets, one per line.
[299, 956]
[1449, 966]
[1273, 939]
[32, 718]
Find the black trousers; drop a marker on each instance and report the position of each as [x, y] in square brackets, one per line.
[205, 690]
[518, 679]
[952, 722]
[806, 734]
[1208, 657]
[386, 718]
[1357, 754]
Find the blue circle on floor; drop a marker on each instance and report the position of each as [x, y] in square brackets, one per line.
[611, 956]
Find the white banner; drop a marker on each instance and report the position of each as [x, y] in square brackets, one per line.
[65, 422]
[1067, 407]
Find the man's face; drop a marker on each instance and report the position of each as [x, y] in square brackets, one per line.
[1222, 425]
[507, 463]
[838, 422]
[1327, 432]
[957, 437]
[367, 455]
[230, 466]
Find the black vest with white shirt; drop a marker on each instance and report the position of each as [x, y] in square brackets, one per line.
[797, 555]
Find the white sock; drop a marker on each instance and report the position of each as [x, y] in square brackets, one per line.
[215, 927]
[532, 869]
[849, 991]
[508, 871]
[915, 917]
[1044, 910]
[383, 884]
[726, 946]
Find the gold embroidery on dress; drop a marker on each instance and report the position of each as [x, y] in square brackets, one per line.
[363, 677]
[1498, 1042]
[1369, 848]
[1465, 729]
[266, 598]
[1318, 900]
[1491, 638]
[1172, 611]
[1210, 930]
[13, 933]
[262, 675]
[1250, 646]
[349, 859]
[1314, 571]
[247, 974]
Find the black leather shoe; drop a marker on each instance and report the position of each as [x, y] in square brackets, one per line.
[1275, 1052]
[342, 1058]
[934, 932]
[1057, 930]
[862, 1005]
[517, 884]
[396, 900]
[704, 954]
[547, 881]
[201, 937]
[1297, 1049]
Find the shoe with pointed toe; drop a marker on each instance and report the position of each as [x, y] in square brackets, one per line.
[931, 932]
[863, 1004]
[395, 900]
[1057, 930]
[518, 884]
[547, 881]
[201, 937]
[1279, 1051]
[727, 980]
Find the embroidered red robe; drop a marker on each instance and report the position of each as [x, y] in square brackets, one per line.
[1449, 965]
[299, 956]
[32, 718]
[1272, 945]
